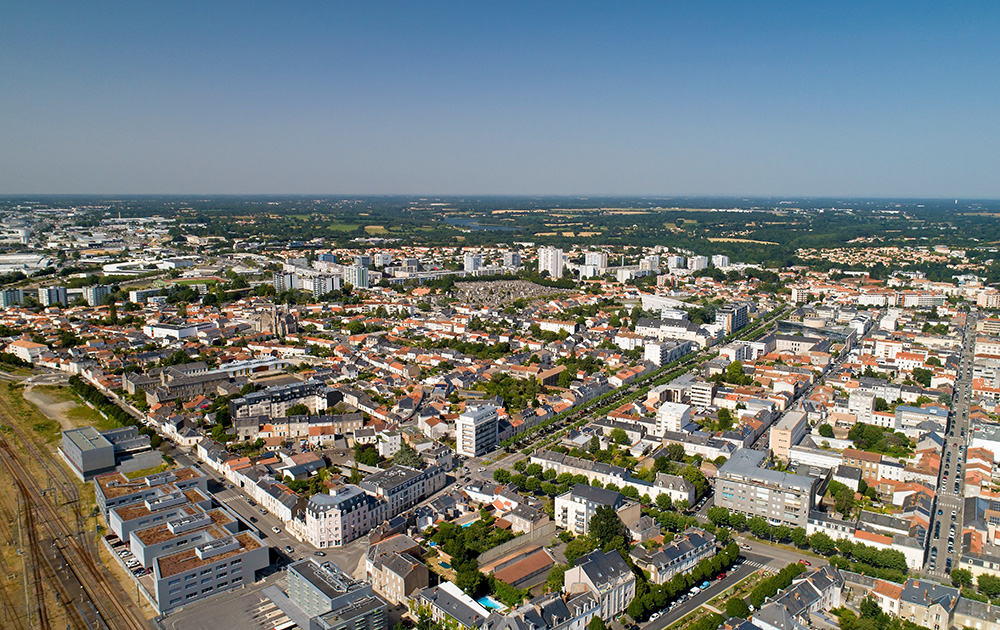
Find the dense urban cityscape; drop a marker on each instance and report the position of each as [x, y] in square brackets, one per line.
[209, 422]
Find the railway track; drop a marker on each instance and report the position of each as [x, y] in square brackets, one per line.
[44, 523]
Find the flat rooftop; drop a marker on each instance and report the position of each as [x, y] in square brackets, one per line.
[188, 559]
[87, 439]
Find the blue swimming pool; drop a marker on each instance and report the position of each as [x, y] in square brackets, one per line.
[489, 603]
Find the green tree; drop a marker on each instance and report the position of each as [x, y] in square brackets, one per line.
[799, 537]
[736, 607]
[297, 410]
[675, 452]
[718, 515]
[923, 376]
[596, 624]
[471, 581]
[758, 527]
[579, 546]
[989, 585]
[697, 479]
[605, 525]
[619, 436]
[408, 456]
[595, 444]
[826, 430]
[557, 575]
[961, 577]
[881, 404]
[822, 543]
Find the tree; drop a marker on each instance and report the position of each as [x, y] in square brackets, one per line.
[718, 515]
[595, 444]
[881, 404]
[470, 580]
[736, 607]
[725, 419]
[408, 456]
[663, 502]
[923, 376]
[758, 526]
[675, 452]
[596, 624]
[366, 454]
[844, 501]
[989, 585]
[961, 577]
[619, 436]
[822, 543]
[738, 521]
[826, 430]
[800, 538]
[697, 479]
[869, 608]
[297, 410]
[557, 575]
[605, 525]
[579, 546]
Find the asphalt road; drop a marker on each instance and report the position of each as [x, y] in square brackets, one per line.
[949, 505]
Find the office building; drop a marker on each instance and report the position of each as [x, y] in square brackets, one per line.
[742, 485]
[88, 452]
[11, 297]
[680, 556]
[607, 577]
[363, 261]
[551, 259]
[672, 417]
[383, 259]
[400, 488]
[720, 260]
[476, 431]
[197, 572]
[696, 263]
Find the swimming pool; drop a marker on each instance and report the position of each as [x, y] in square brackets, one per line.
[489, 603]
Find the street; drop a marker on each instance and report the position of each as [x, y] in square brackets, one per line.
[945, 534]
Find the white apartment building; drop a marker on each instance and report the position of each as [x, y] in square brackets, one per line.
[575, 507]
[472, 262]
[551, 259]
[476, 431]
[672, 417]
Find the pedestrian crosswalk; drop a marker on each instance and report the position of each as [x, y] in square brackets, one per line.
[754, 564]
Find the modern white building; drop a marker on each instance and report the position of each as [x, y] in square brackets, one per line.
[720, 260]
[476, 431]
[672, 417]
[551, 259]
[511, 259]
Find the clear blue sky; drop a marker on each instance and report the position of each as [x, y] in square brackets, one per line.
[745, 98]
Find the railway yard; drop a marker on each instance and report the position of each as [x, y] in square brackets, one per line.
[52, 576]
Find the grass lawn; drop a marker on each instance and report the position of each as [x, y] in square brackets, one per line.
[81, 415]
[12, 397]
[148, 471]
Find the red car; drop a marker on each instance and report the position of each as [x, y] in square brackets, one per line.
[722, 576]
[806, 562]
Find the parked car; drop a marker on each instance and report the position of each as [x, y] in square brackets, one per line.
[319, 554]
[289, 549]
[275, 530]
[253, 519]
[805, 562]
